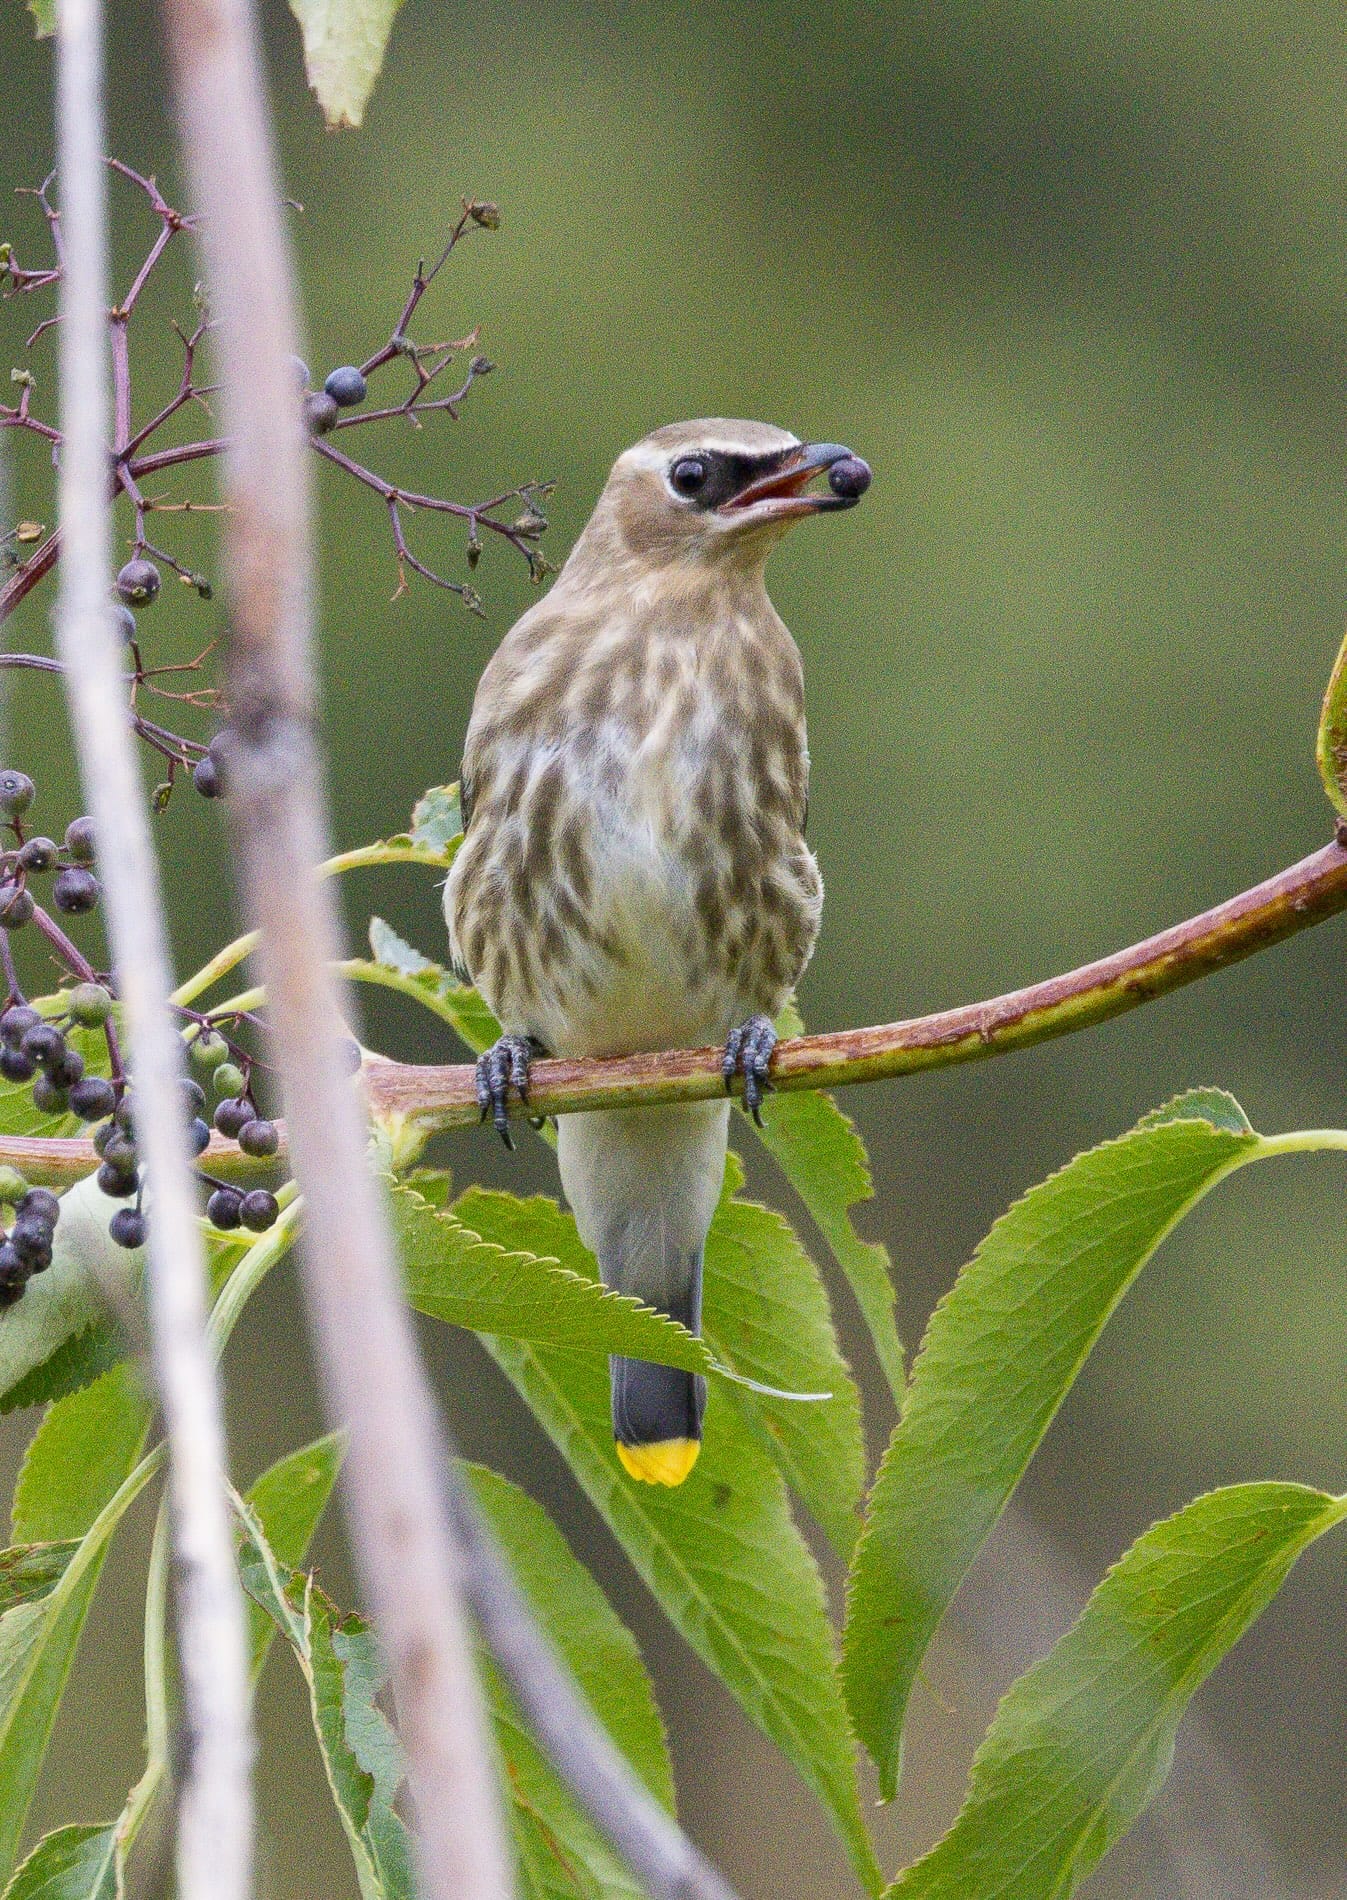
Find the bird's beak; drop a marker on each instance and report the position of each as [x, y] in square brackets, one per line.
[781, 495]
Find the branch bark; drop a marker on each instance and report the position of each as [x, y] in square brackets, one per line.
[214, 1833]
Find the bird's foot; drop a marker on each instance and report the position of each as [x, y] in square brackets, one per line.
[505, 1066]
[748, 1052]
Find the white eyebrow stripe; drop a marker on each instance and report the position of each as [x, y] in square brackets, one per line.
[647, 455]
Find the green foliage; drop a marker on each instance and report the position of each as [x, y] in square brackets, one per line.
[999, 1357]
[720, 1553]
[74, 1863]
[44, 17]
[288, 1501]
[344, 44]
[1084, 1740]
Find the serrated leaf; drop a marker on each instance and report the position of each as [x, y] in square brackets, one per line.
[1083, 1742]
[399, 965]
[766, 1314]
[1000, 1354]
[344, 43]
[340, 1663]
[573, 1612]
[452, 1274]
[720, 1552]
[74, 1863]
[76, 1362]
[821, 1154]
[66, 1301]
[288, 1501]
[437, 821]
[74, 1474]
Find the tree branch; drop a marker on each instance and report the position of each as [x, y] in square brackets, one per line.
[214, 1833]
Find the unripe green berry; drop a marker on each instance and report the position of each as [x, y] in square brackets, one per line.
[228, 1079]
[13, 1187]
[89, 1004]
[207, 1051]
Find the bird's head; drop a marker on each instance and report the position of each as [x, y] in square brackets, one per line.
[718, 492]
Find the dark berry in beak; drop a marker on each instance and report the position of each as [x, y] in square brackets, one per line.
[850, 477]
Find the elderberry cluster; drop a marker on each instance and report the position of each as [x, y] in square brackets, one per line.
[74, 889]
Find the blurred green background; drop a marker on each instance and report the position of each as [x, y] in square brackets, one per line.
[1073, 277]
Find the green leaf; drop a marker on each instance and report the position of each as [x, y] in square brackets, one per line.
[74, 1863]
[38, 1354]
[766, 1315]
[79, 1477]
[720, 1552]
[1331, 747]
[344, 43]
[340, 1662]
[44, 18]
[587, 1633]
[288, 1501]
[437, 821]
[77, 1361]
[1083, 1742]
[820, 1153]
[1000, 1355]
[399, 966]
[30, 1572]
[452, 1274]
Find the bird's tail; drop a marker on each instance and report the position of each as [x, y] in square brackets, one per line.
[643, 1185]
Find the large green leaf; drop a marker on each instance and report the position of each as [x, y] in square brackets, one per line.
[340, 1662]
[59, 1334]
[766, 1314]
[74, 1863]
[288, 1500]
[80, 1475]
[1083, 1742]
[720, 1552]
[30, 1572]
[453, 1274]
[1000, 1354]
[344, 43]
[820, 1153]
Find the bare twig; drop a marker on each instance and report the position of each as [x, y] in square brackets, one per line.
[366, 1350]
[215, 1816]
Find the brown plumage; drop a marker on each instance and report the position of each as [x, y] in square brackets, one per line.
[634, 873]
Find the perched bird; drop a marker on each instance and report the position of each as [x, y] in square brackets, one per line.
[634, 873]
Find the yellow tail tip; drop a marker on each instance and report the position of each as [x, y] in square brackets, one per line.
[668, 1462]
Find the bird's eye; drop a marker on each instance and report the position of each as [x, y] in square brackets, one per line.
[688, 474]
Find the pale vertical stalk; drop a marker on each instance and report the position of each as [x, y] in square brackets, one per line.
[215, 1812]
[366, 1350]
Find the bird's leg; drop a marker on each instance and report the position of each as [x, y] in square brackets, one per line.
[748, 1052]
[505, 1066]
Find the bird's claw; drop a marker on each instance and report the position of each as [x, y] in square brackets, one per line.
[505, 1066]
[748, 1052]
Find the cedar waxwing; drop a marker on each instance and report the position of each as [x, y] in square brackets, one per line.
[634, 874]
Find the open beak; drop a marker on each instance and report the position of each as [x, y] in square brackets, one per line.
[781, 494]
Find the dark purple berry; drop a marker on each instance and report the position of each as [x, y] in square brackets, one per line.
[13, 1273]
[124, 621]
[75, 891]
[206, 778]
[48, 1097]
[127, 1227]
[103, 1135]
[17, 1020]
[92, 1098]
[17, 792]
[138, 582]
[300, 370]
[224, 1209]
[40, 1204]
[10, 1295]
[79, 840]
[119, 1151]
[218, 749]
[15, 1066]
[125, 1115]
[320, 413]
[199, 1134]
[259, 1210]
[346, 387]
[849, 477]
[44, 1043]
[16, 907]
[259, 1138]
[66, 1069]
[193, 1095]
[39, 854]
[31, 1241]
[89, 1004]
[233, 1114]
[116, 1185]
